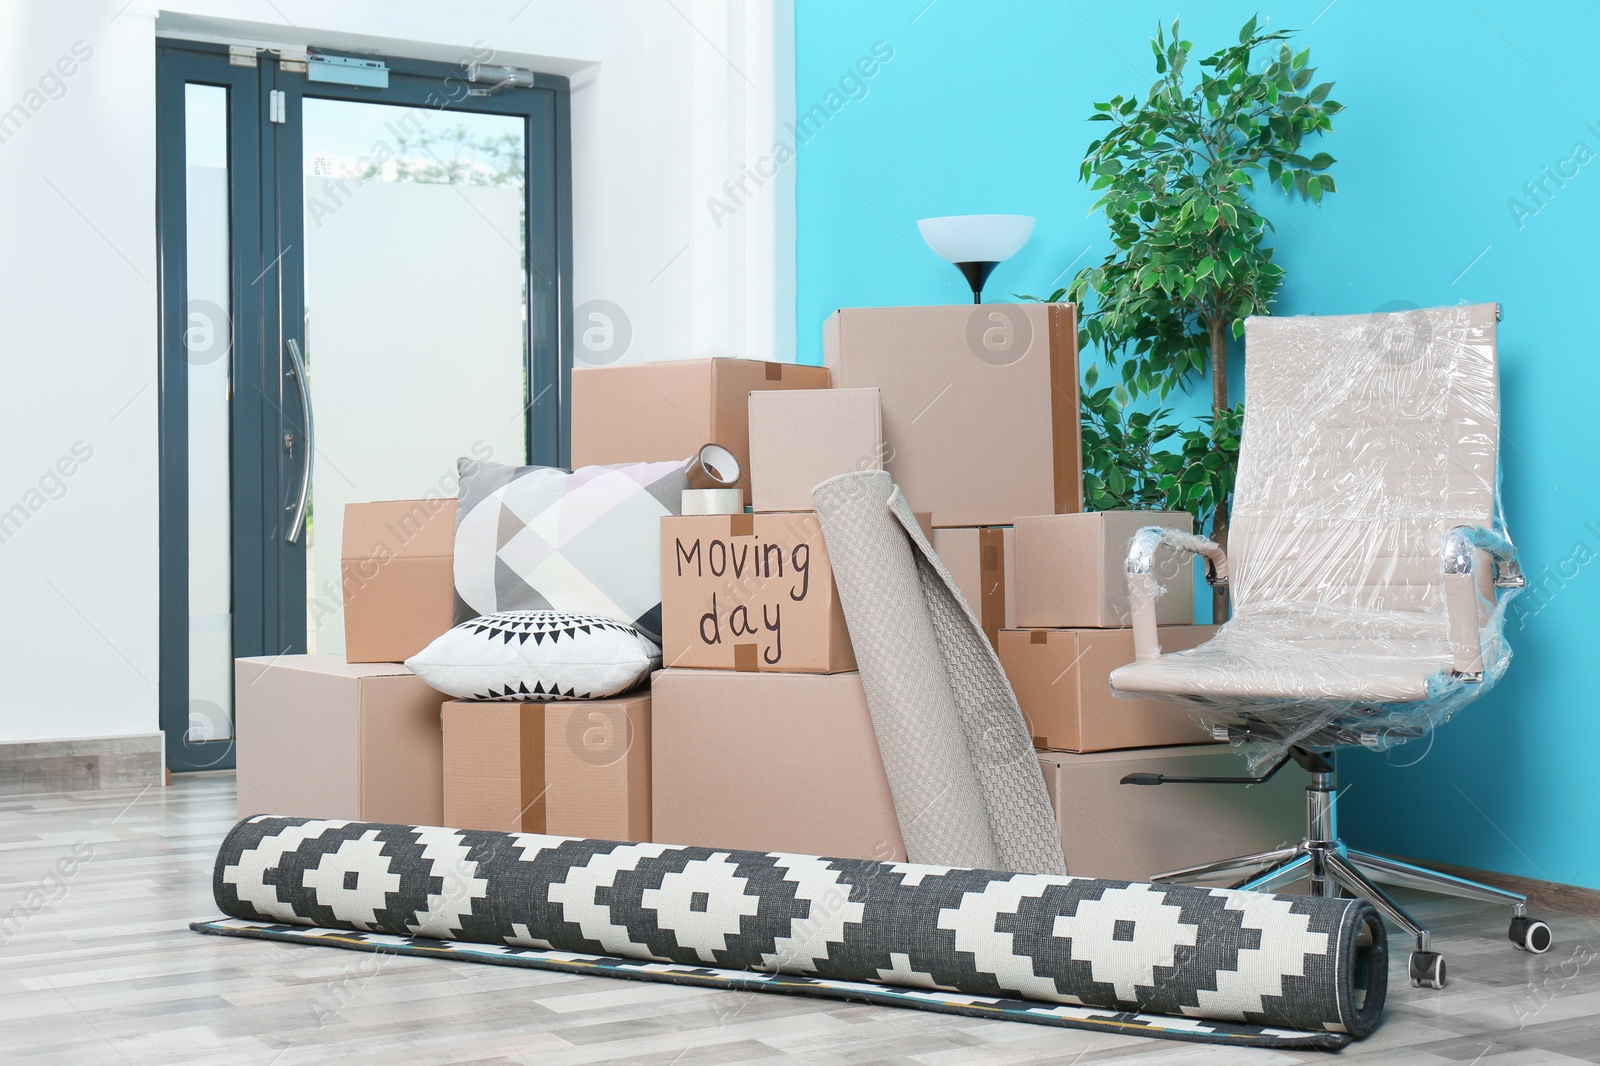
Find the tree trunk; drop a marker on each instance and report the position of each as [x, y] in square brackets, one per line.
[1219, 404]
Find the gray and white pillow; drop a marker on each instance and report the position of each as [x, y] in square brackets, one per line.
[537, 656]
[538, 538]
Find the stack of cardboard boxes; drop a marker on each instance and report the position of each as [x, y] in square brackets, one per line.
[756, 733]
[357, 735]
[583, 768]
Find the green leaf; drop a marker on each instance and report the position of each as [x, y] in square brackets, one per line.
[1321, 161]
[1207, 265]
[1248, 31]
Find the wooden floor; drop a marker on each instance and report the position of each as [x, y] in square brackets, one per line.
[106, 970]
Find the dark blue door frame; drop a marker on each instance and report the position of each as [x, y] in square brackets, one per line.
[268, 301]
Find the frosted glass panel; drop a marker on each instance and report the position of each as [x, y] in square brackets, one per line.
[208, 340]
[415, 305]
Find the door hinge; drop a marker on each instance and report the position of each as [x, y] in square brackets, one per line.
[277, 106]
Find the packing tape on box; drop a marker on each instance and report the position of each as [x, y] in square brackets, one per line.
[713, 467]
[713, 501]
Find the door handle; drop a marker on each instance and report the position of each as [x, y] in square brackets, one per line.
[297, 370]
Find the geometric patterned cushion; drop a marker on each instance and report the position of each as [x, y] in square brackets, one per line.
[533, 656]
[537, 538]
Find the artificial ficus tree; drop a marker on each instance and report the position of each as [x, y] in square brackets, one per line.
[1177, 172]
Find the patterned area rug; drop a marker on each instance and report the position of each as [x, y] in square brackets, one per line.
[1167, 960]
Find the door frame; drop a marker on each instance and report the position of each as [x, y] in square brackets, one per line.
[267, 309]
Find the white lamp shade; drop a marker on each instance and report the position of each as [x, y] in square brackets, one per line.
[976, 238]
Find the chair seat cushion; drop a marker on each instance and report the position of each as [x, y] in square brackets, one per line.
[1280, 653]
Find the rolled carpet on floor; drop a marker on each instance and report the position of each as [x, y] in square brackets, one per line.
[1164, 960]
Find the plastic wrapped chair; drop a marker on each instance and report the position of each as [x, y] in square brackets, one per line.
[1365, 551]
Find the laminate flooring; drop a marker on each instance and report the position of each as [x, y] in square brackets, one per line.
[100, 967]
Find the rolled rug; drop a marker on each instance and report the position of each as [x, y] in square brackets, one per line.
[956, 749]
[1165, 960]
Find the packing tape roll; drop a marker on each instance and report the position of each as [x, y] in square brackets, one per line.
[713, 501]
[713, 467]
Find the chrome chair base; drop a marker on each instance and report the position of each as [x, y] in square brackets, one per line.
[1331, 868]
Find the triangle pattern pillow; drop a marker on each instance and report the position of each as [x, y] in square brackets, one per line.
[538, 538]
[536, 655]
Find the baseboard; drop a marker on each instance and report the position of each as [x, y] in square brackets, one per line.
[1542, 895]
[84, 764]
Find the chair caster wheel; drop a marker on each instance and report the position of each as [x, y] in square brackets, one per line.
[1427, 969]
[1530, 934]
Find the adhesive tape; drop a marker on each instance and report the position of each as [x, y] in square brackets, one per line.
[713, 467]
[713, 501]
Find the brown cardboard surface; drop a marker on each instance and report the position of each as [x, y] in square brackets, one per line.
[494, 766]
[751, 592]
[1062, 681]
[597, 767]
[398, 575]
[979, 558]
[980, 404]
[1133, 832]
[799, 438]
[770, 762]
[318, 737]
[578, 768]
[653, 412]
[1074, 575]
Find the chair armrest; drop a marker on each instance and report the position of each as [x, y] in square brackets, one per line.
[1461, 546]
[1142, 587]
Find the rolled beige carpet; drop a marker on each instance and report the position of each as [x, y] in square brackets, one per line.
[967, 787]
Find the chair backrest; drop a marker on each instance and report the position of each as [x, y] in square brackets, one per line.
[1366, 438]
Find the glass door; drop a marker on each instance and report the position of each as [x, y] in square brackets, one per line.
[363, 279]
[415, 312]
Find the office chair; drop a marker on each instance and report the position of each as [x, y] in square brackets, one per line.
[1364, 553]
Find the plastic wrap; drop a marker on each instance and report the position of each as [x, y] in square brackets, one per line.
[1365, 543]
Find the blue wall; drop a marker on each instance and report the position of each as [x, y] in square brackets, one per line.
[1451, 109]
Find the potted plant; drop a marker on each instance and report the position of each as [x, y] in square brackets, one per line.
[1177, 172]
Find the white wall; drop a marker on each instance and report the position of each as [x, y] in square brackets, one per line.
[669, 100]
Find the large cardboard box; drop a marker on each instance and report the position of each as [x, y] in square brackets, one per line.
[770, 762]
[980, 404]
[1073, 566]
[652, 412]
[799, 438]
[750, 592]
[398, 561]
[318, 737]
[1133, 832]
[982, 560]
[1062, 678]
[577, 768]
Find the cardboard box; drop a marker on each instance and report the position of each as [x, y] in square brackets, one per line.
[494, 766]
[750, 592]
[652, 412]
[1062, 678]
[578, 768]
[771, 762]
[1133, 832]
[597, 767]
[982, 560]
[1074, 569]
[802, 437]
[318, 737]
[398, 571]
[980, 404]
